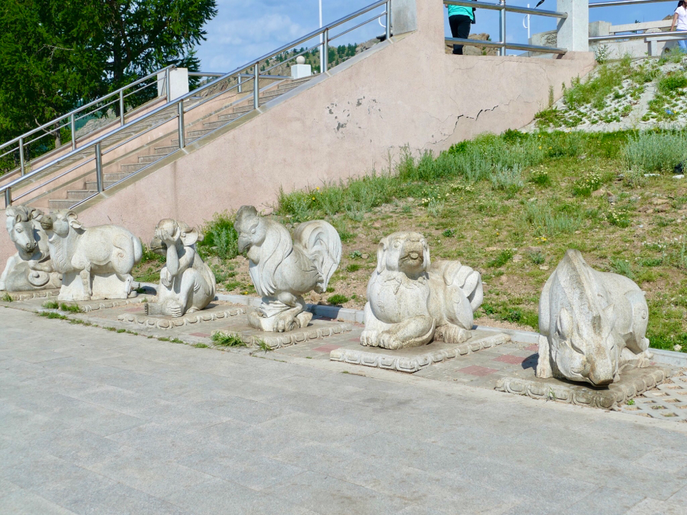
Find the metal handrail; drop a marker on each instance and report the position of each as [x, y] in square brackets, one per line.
[678, 34]
[501, 44]
[71, 117]
[625, 2]
[192, 95]
[49, 124]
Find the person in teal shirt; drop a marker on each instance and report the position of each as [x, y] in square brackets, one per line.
[460, 18]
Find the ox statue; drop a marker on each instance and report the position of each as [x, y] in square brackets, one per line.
[592, 324]
[95, 262]
[31, 267]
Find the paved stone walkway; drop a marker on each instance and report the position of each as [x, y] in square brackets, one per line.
[92, 421]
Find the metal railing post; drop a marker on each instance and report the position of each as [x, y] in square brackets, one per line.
[325, 51]
[8, 197]
[240, 84]
[168, 88]
[388, 20]
[256, 85]
[99, 167]
[502, 27]
[72, 128]
[182, 140]
[21, 155]
[121, 107]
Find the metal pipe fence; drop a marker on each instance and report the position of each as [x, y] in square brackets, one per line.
[53, 127]
[502, 44]
[179, 106]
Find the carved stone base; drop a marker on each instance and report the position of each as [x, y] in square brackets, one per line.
[107, 286]
[319, 329]
[167, 322]
[412, 359]
[633, 382]
[282, 322]
[19, 296]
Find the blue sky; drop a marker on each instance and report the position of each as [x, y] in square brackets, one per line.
[247, 29]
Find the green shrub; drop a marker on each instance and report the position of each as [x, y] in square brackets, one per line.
[501, 259]
[71, 308]
[228, 339]
[507, 179]
[655, 151]
[622, 267]
[672, 82]
[584, 186]
[338, 299]
[540, 178]
[219, 238]
[551, 222]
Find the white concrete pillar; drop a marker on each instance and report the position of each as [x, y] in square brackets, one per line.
[573, 31]
[403, 16]
[178, 83]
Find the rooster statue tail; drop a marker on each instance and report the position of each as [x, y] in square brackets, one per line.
[322, 244]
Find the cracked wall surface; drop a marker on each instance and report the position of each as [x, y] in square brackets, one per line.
[408, 92]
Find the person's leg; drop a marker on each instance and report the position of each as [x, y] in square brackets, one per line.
[681, 42]
[460, 28]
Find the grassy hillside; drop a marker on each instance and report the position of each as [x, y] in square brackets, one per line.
[509, 206]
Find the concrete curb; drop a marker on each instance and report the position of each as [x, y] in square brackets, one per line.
[665, 357]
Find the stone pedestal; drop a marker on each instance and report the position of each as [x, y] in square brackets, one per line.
[300, 71]
[106, 286]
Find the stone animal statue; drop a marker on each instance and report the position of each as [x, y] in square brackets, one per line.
[186, 283]
[31, 267]
[411, 301]
[283, 269]
[95, 262]
[591, 323]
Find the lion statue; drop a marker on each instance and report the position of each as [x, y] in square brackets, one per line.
[411, 301]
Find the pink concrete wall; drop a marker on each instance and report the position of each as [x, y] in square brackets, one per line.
[408, 93]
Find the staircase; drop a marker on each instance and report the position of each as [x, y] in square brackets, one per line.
[148, 137]
[148, 154]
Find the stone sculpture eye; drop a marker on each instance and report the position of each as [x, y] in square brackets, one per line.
[19, 229]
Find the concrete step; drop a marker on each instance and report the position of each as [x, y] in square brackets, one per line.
[61, 203]
[198, 133]
[188, 140]
[114, 176]
[167, 150]
[235, 114]
[92, 185]
[80, 194]
[148, 159]
[132, 167]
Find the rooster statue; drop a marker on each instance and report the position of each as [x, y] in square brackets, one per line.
[283, 269]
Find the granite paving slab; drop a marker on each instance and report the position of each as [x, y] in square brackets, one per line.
[204, 432]
[667, 400]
